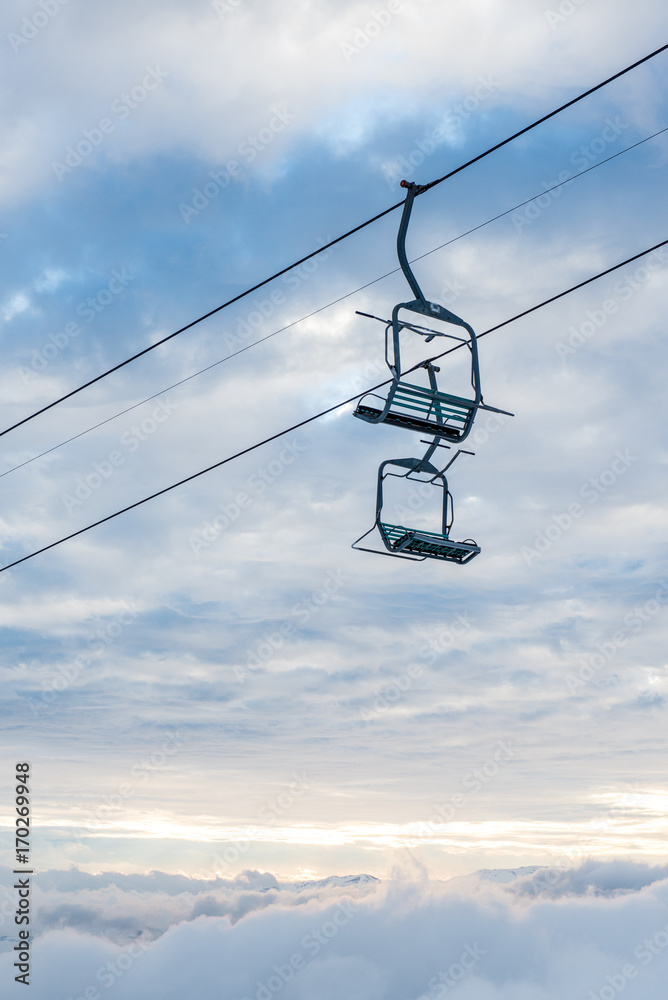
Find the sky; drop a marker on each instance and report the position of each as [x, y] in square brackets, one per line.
[215, 682]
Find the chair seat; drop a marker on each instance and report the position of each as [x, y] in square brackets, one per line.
[423, 410]
[426, 543]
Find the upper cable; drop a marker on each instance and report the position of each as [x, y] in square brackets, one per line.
[339, 239]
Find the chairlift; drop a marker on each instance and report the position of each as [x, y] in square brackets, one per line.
[414, 543]
[425, 409]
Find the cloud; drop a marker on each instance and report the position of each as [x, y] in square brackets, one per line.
[400, 940]
[132, 632]
[592, 878]
[329, 91]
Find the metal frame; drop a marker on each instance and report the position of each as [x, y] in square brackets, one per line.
[468, 408]
[414, 467]
[423, 306]
[423, 409]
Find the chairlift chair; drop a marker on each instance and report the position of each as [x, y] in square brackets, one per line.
[414, 543]
[425, 409]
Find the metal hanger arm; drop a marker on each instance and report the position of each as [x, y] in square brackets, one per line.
[412, 190]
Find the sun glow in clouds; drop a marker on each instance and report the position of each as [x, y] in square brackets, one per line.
[606, 837]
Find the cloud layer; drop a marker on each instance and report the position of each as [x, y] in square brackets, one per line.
[605, 929]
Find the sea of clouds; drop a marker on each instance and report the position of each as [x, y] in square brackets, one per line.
[593, 931]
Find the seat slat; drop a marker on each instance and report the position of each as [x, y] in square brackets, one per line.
[431, 405]
[427, 543]
[431, 399]
[444, 396]
[424, 410]
[429, 409]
